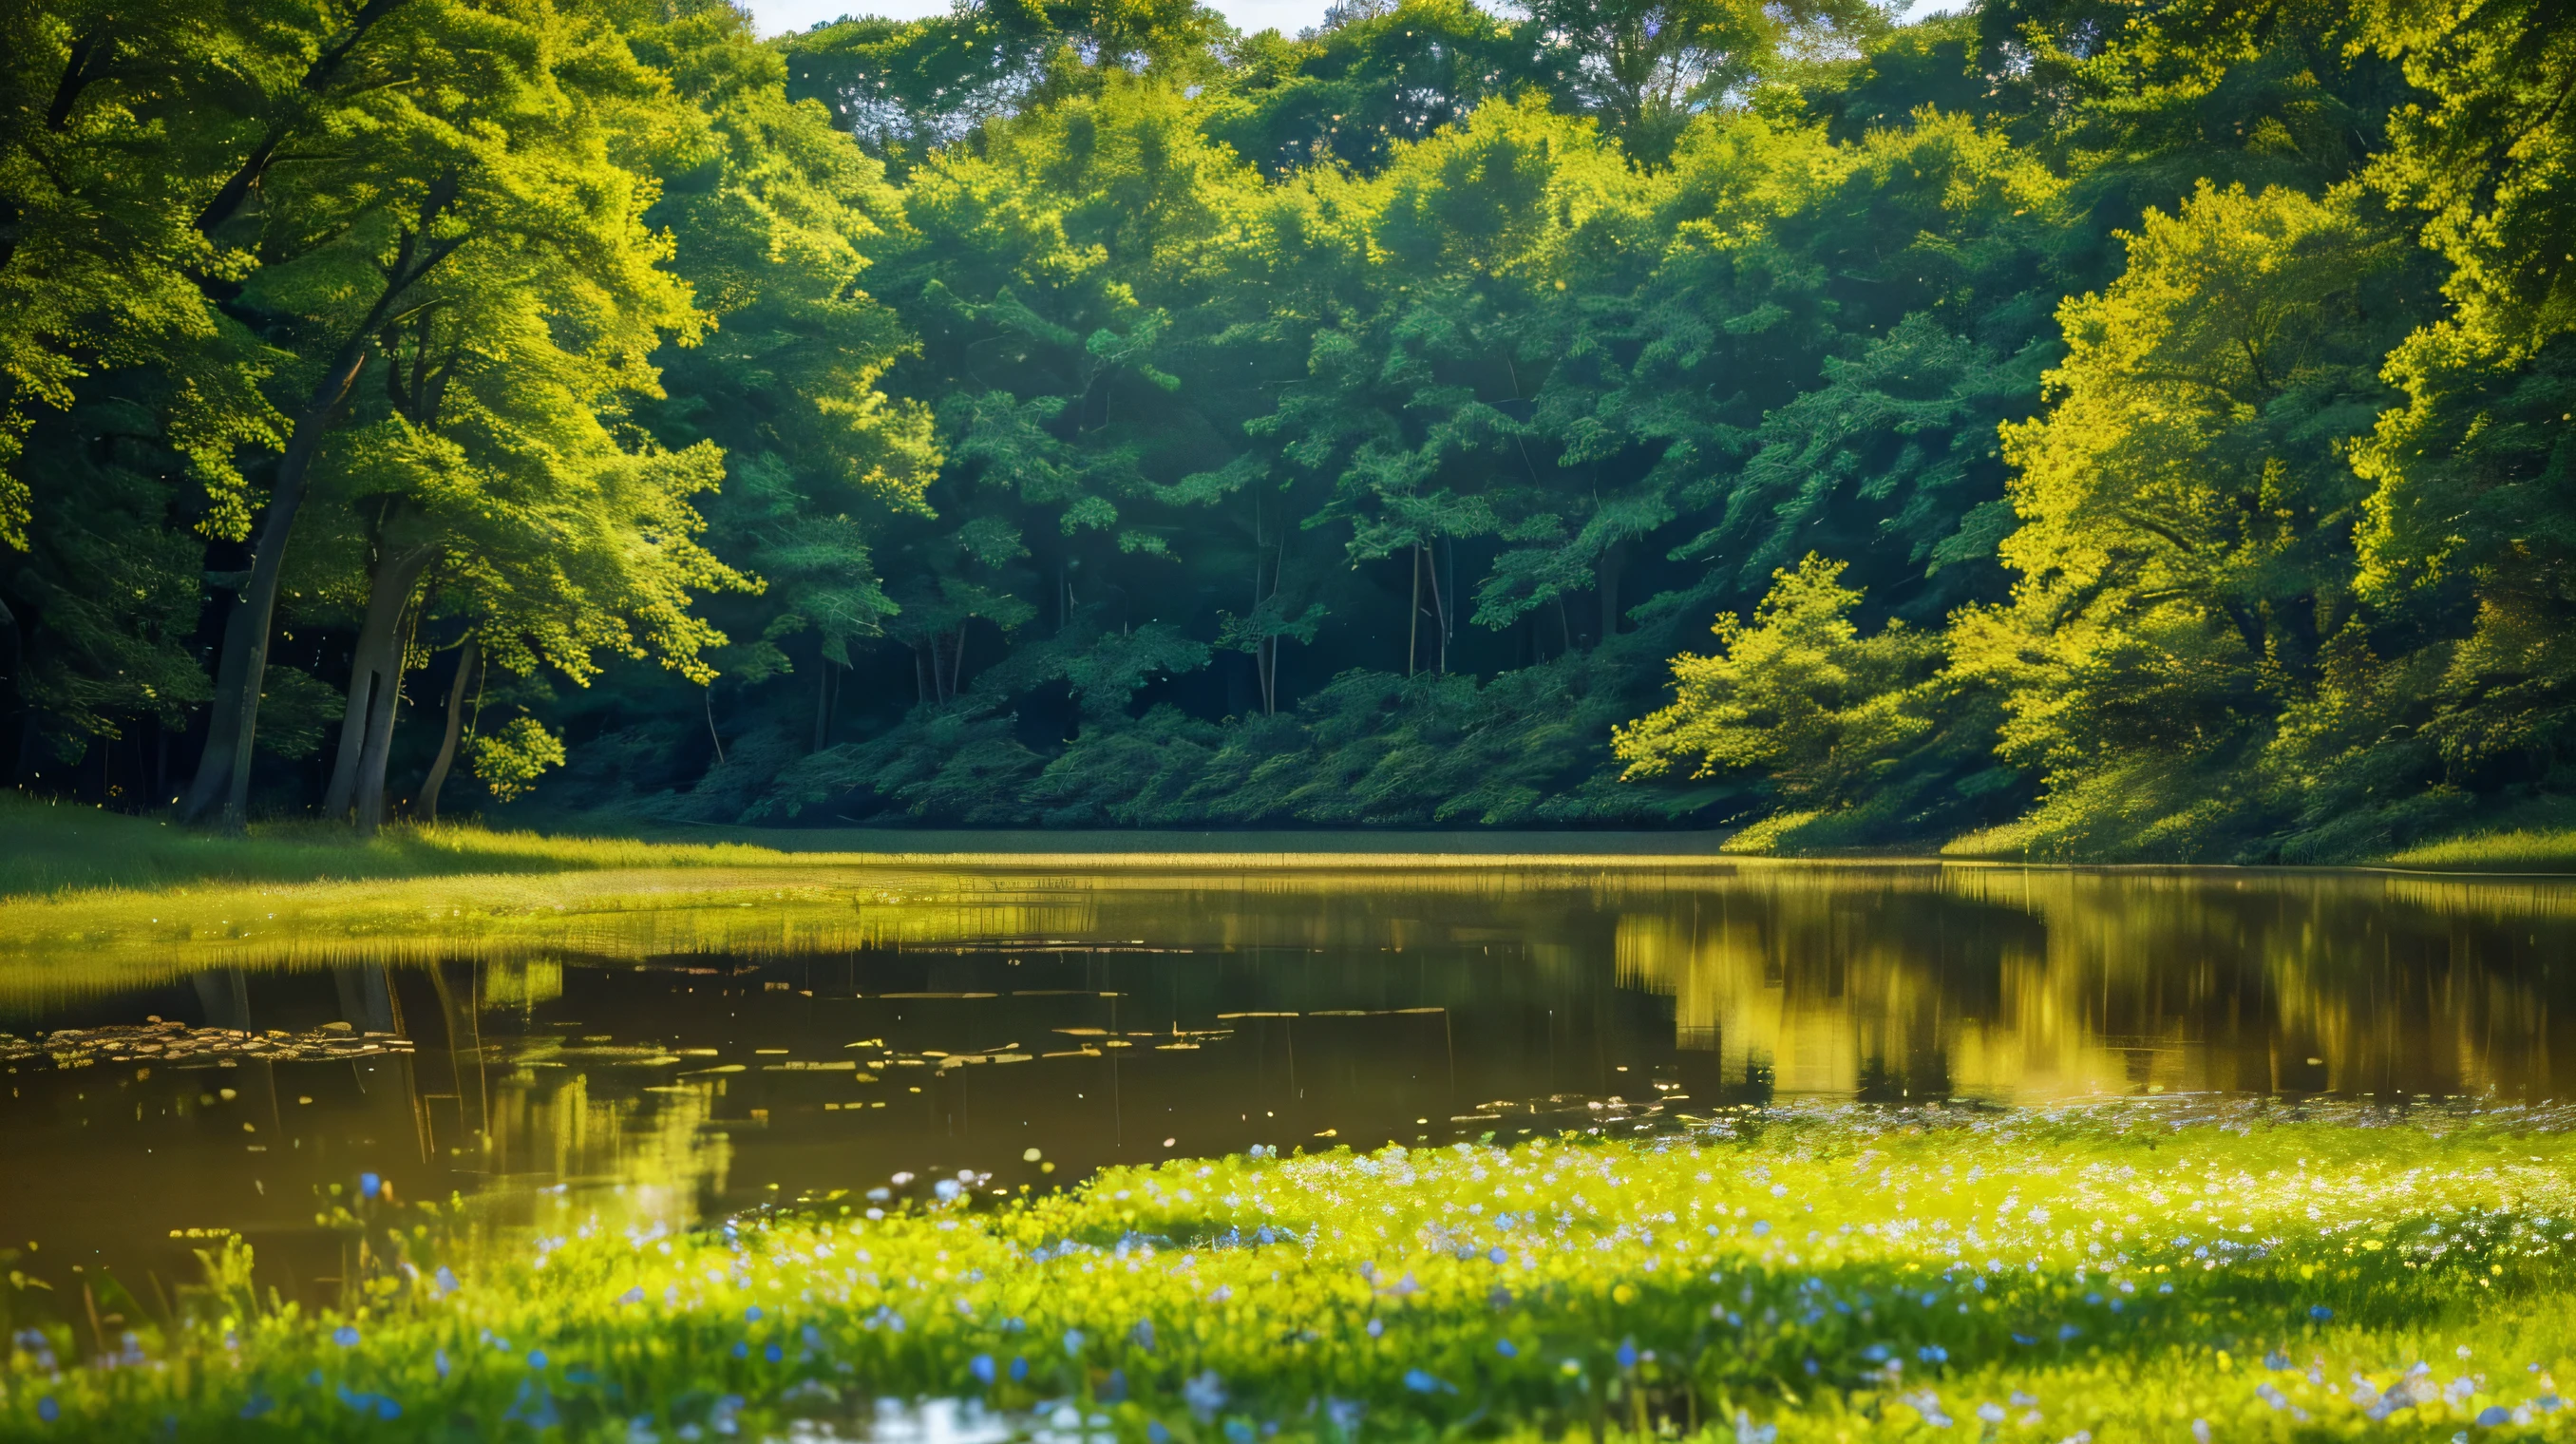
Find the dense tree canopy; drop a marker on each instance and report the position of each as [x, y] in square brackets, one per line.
[2127, 429]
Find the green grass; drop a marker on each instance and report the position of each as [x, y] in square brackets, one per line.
[2126, 1273]
[53, 847]
[2538, 836]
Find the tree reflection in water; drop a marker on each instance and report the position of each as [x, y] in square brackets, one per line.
[723, 1043]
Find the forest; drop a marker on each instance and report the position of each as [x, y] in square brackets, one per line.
[2062, 429]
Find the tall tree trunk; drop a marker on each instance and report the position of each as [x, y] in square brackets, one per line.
[225, 769]
[823, 676]
[384, 714]
[375, 669]
[383, 710]
[1413, 620]
[466, 657]
[223, 721]
[1439, 604]
[1614, 560]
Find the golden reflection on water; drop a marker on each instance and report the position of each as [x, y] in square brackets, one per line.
[654, 1049]
[2035, 985]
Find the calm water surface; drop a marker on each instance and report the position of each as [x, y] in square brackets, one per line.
[667, 1048]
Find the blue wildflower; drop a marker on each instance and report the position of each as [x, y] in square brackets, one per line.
[1627, 1354]
[1143, 1334]
[1496, 1254]
[1933, 1354]
[1019, 1370]
[2067, 1332]
[741, 1350]
[1155, 1433]
[981, 1366]
[1421, 1382]
[1504, 1348]
[1238, 1431]
[2320, 1313]
[1073, 1341]
[2493, 1415]
[535, 1406]
[1761, 1227]
[48, 1410]
[773, 1353]
[536, 1358]
[346, 1336]
[752, 1314]
[1205, 1394]
[634, 1295]
[438, 1358]
[368, 1185]
[446, 1281]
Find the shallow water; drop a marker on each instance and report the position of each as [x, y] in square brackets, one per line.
[664, 1048]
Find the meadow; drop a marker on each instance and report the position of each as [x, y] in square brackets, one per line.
[2168, 1270]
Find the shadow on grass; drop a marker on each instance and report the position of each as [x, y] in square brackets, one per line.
[51, 847]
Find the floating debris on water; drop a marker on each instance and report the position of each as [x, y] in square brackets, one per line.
[158, 1041]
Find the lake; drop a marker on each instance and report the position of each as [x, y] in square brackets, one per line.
[663, 1048]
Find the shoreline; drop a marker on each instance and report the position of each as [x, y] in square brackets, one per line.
[57, 852]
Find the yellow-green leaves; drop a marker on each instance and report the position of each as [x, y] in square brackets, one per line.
[509, 760]
[2185, 504]
[1798, 695]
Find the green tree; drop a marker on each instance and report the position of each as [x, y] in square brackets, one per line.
[1647, 66]
[1826, 726]
[2185, 551]
[2469, 514]
[465, 131]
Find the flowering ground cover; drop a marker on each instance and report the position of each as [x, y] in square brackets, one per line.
[2169, 1271]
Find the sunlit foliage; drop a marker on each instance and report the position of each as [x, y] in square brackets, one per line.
[1081, 415]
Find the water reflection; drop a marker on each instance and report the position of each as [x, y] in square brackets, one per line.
[588, 1049]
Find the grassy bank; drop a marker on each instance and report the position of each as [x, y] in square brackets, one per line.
[2114, 1274]
[48, 847]
[54, 848]
[2535, 837]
